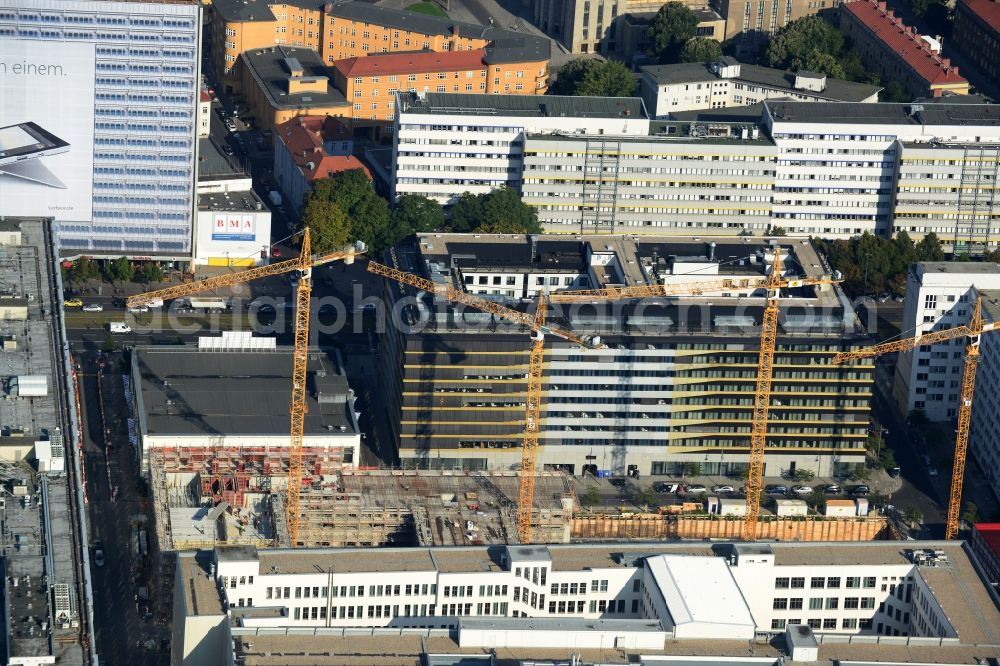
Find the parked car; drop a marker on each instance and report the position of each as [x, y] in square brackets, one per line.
[723, 490]
[801, 490]
[275, 252]
[932, 471]
[664, 487]
[99, 553]
[832, 489]
[93, 307]
[696, 488]
[895, 472]
[72, 303]
[138, 309]
[860, 491]
[617, 482]
[776, 489]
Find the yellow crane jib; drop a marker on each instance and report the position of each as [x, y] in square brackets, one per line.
[300, 358]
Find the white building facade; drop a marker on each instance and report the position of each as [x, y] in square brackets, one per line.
[984, 435]
[726, 83]
[728, 593]
[145, 105]
[939, 295]
[828, 169]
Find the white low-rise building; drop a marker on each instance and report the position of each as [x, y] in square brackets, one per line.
[623, 596]
[726, 83]
[939, 295]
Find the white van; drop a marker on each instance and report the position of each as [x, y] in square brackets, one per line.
[119, 327]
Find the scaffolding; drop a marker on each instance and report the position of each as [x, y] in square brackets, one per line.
[426, 508]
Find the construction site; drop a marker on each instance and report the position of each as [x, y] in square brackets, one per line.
[229, 501]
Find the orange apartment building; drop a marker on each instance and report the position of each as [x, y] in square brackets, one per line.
[370, 83]
[349, 29]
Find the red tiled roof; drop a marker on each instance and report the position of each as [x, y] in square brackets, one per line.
[987, 10]
[410, 63]
[990, 532]
[205, 96]
[905, 42]
[304, 136]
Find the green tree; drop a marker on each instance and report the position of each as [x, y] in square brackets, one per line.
[329, 227]
[591, 497]
[109, 344]
[690, 469]
[645, 497]
[415, 213]
[701, 49]
[671, 28]
[120, 270]
[801, 40]
[912, 516]
[895, 93]
[504, 212]
[860, 473]
[776, 231]
[595, 78]
[466, 213]
[816, 499]
[151, 272]
[929, 248]
[367, 212]
[886, 458]
[820, 62]
[970, 513]
[803, 475]
[85, 269]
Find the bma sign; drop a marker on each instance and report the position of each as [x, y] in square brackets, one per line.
[234, 227]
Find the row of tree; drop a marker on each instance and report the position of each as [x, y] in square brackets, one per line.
[344, 208]
[112, 270]
[871, 264]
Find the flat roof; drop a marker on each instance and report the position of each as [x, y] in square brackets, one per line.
[836, 89]
[214, 164]
[231, 201]
[193, 392]
[700, 590]
[959, 267]
[857, 113]
[268, 66]
[532, 106]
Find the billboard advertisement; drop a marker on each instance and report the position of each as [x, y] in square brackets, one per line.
[46, 129]
[234, 227]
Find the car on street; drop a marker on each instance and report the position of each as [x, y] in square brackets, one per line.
[275, 252]
[72, 303]
[801, 490]
[617, 482]
[860, 490]
[93, 307]
[776, 489]
[99, 553]
[138, 309]
[664, 487]
[894, 472]
[723, 490]
[230, 125]
[695, 489]
[932, 471]
[832, 489]
[228, 150]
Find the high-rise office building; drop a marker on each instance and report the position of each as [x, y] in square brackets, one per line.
[674, 384]
[100, 100]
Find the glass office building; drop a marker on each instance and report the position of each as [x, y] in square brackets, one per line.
[145, 91]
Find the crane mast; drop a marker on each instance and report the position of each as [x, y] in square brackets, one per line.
[305, 262]
[973, 331]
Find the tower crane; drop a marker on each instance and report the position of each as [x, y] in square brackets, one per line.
[973, 332]
[539, 328]
[532, 404]
[774, 283]
[304, 263]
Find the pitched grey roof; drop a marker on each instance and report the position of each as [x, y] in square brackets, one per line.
[836, 89]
